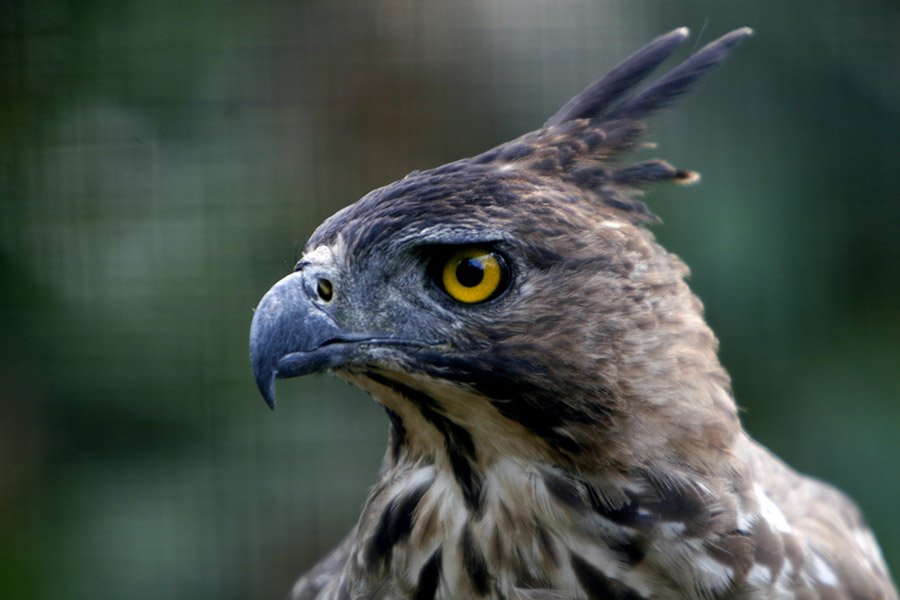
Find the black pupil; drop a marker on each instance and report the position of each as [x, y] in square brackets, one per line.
[469, 272]
[324, 289]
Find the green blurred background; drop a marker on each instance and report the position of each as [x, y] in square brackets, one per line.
[162, 163]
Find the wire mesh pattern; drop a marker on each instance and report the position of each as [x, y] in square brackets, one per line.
[163, 163]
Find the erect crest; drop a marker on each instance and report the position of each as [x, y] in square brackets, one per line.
[580, 142]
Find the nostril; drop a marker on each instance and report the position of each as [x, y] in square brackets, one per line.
[325, 290]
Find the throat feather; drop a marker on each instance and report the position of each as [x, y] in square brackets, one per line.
[458, 442]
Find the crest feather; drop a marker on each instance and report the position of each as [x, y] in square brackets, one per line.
[598, 96]
[580, 143]
[599, 99]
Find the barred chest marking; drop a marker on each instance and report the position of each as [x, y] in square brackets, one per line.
[428, 544]
[449, 525]
[476, 520]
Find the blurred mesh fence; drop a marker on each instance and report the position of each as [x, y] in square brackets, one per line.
[162, 163]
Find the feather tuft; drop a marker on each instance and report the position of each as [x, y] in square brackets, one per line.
[599, 100]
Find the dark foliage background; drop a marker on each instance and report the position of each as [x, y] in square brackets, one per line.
[162, 163]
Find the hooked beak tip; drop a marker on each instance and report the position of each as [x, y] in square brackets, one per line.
[266, 384]
[270, 398]
[265, 373]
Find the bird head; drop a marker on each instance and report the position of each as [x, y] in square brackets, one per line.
[515, 303]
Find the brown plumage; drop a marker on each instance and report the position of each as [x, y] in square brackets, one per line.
[561, 425]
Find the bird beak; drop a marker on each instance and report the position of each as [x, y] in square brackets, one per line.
[291, 335]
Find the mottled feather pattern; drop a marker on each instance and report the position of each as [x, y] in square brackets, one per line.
[575, 437]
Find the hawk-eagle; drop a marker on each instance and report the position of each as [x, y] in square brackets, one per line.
[560, 424]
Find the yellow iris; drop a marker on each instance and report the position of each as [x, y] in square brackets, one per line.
[472, 275]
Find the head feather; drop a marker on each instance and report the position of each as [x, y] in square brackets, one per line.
[600, 95]
[577, 152]
[581, 142]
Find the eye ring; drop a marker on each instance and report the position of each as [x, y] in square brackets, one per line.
[472, 275]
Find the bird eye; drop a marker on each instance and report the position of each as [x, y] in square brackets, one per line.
[471, 275]
[325, 290]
